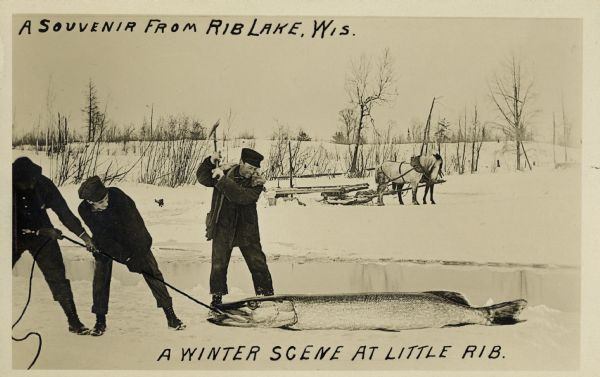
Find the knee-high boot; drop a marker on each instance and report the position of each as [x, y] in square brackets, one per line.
[75, 325]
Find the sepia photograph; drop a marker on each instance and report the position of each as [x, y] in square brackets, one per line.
[221, 192]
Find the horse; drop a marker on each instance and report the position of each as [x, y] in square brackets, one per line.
[428, 169]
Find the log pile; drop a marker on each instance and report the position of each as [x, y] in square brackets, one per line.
[329, 190]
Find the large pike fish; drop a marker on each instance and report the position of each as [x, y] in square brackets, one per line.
[364, 311]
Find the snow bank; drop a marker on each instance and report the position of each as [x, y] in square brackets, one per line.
[506, 219]
[518, 217]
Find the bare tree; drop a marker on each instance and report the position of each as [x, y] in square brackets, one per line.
[461, 136]
[462, 169]
[277, 152]
[174, 159]
[479, 143]
[442, 137]
[226, 130]
[415, 129]
[441, 134]
[382, 146]
[566, 129]
[366, 90]
[511, 93]
[425, 144]
[287, 157]
[474, 137]
[151, 118]
[346, 132]
[91, 111]
[348, 119]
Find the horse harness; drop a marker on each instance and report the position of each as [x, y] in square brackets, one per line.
[415, 165]
[388, 179]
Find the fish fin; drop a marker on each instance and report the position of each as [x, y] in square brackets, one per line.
[506, 313]
[224, 315]
[457, 325]
[289, 328]
[452, 296]
[388, 330]
[216, 320]
[226, 321]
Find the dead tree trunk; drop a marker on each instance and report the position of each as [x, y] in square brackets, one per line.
[291, 166]
[151, 118]
[510, 96]
[458, 137]
[473, 140]
[424, 145]
[462, 169]
[525, 154]
[554, 138]
[481, 139]
[358, 140]
[565, 131]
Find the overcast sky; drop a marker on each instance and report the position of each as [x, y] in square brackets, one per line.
[296, 81]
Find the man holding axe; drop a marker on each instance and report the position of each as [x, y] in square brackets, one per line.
[233, 219]
[213, 133]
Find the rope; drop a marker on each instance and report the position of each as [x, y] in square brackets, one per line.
[398, 177]
[216, 310]
[39, 336]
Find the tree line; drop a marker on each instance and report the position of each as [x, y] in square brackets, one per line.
[369, 84]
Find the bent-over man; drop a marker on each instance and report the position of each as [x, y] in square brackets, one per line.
[119, 231]
[33, 195]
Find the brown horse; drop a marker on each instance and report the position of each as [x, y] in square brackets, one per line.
[428, 170]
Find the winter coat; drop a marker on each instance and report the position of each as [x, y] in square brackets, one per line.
[119, 230]
[29, 208]
[232, 219]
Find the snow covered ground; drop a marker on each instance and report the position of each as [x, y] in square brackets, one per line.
[491, 236]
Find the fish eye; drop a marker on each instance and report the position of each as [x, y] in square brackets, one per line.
[253, 304]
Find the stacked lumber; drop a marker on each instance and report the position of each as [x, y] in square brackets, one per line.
[328, 190]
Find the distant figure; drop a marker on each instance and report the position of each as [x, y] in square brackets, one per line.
[233, 220]
[33, 195]
[160, 202]
[119, 231]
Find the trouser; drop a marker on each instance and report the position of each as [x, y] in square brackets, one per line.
[49, 259]
[255, 259]
[102, 276]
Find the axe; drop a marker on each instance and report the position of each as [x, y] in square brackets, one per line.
[213, 133]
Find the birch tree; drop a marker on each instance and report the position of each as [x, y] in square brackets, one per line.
[368, 88]
[511, 92]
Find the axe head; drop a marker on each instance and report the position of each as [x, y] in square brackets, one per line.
[213, 130]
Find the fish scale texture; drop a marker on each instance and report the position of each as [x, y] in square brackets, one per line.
[393, 312]
[368, 311]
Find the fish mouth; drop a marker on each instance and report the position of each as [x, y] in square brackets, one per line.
[257, 313]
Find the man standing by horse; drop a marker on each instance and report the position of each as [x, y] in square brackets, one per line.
[233, 220]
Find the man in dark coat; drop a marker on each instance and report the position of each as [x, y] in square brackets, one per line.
[233, 220]
[33, 195]
[119, 231]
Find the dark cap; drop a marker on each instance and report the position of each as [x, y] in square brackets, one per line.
[252, 157]
[24, 170]
[92, 189]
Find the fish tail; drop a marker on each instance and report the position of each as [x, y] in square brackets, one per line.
[505, 313]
